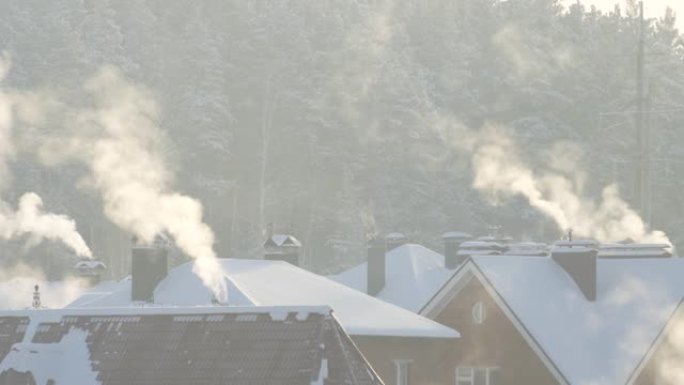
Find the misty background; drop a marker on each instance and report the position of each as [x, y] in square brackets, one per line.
[337, 120]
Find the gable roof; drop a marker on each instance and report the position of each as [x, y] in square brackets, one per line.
[277, 283]
[270, 346]
[414, 274]
[590, 342]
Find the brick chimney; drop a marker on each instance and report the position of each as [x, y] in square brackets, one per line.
[149, 265]
[452, 242]
[376, 267]
[282, 247]
[395, 240]
[578, 259]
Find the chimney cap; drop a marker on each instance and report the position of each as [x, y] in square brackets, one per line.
[281, 240]
[160, 241]
[587, 243]
[90, 264]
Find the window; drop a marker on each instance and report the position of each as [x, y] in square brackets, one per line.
[401, 368]
[479, 313]
[469, 375]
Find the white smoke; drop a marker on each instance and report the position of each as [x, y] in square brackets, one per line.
[667, 360]
[29, 219]
[120, 141]
[17, 286]
[499, 169]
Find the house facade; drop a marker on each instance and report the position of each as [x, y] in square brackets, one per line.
[494, 347]
[575, 312]
[570, 318]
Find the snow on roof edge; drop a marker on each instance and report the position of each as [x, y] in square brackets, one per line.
[150, 309]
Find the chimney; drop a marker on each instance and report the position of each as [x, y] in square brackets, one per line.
[149, 265]
[90, 271]
[282, 247]
[452, 242]
[395, 240]
[376, 267]
[579, 261]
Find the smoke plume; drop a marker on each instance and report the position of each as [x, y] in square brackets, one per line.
[499, 169]
[120, 141]
[30, 219]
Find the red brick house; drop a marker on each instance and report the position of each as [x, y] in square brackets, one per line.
[570, 318]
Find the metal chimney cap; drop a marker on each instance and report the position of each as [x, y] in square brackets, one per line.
[279, 240]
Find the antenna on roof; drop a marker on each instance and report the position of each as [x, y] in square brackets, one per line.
[36, 297]
[570, 235]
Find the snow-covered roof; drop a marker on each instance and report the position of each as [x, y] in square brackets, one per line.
[282, 240]
[482, 245]
[590, 342]
[634, 250]
[527, 248]
[123, 346]
[456, 235]
[395, 236]
[276, 283]
[414, 274]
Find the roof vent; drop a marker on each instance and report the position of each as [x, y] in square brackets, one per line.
[395, 240]
[282, 247]
[90, 270]
[36, 297]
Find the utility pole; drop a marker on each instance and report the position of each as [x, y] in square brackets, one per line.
[642, 175]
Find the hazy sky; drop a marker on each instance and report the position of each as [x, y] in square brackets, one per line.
[652, 8]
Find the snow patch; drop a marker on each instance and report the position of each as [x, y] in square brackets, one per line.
[322, 373]
[66, 362]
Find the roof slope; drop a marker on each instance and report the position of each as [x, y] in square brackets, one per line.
[414, 274]
[277, 283]
[12, 330]
[272, 346]
[591, 342]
